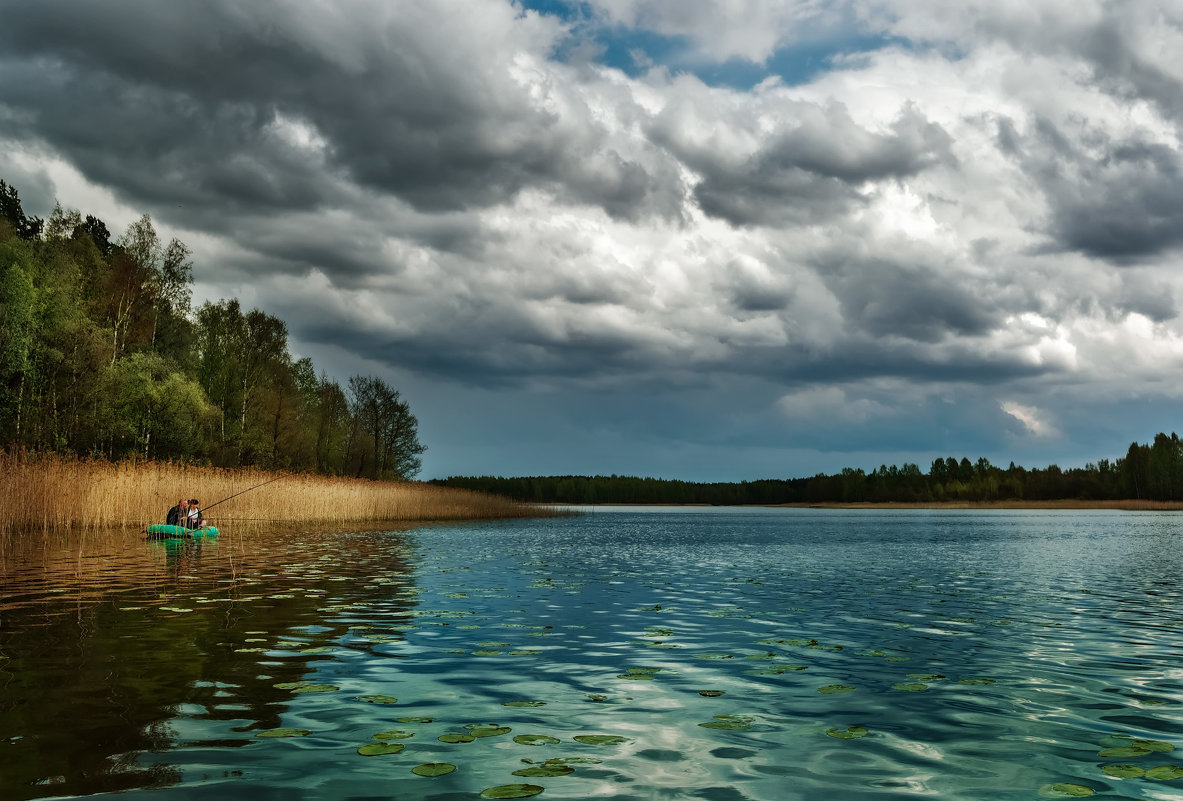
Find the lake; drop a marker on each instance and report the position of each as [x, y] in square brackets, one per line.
[632, 653]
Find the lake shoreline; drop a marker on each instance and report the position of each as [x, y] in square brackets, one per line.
[1131, 505]
[1066, 504]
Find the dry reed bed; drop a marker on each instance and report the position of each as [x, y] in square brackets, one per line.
[55, 493]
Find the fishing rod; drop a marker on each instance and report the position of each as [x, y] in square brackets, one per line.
[235, 495]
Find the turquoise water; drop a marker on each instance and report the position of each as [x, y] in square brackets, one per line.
[844, 655]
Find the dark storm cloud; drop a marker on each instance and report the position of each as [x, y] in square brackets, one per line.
[1119, 199]
[813, 170]
[178, 105]
[886, 298]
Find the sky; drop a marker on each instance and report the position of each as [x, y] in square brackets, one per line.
[705, 240]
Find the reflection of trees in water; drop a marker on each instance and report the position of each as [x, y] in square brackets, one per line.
[94, 668]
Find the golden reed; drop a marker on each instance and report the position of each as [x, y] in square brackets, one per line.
[48, 492]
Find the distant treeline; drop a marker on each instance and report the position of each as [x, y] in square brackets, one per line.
[101, 354]
[1149, 472]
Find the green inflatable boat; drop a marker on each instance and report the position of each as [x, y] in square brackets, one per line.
[162, 531]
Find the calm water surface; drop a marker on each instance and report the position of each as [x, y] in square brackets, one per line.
[844, 655]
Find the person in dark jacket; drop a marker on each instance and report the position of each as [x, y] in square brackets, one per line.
[194, 519]
[178, 515]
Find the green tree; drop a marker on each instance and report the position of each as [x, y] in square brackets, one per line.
[385, 440]
[152, 410]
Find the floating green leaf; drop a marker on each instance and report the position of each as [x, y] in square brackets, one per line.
[525, 703]
[710, 693]
[729, 722]
[544, 771]
[831, 689]
[573, 761]
[1165, 773]
[600, 739]
[377, 749]
[1123, 751]
[284, 733]
[456, 737]
[486, 652]
[910, 686]
[393, 734]
[776, 670]
[414, 720]
[1154, 745]
[432, 769]
[535, 739]
[1065, 790]
[976, 681]
[715, 656]
[316, 688]
[927, 676]
[1124, 771]
[487, 729]
[378, 699]
[852, 733]
[511, 791]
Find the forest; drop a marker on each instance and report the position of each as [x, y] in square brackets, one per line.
[103, 355]
[1151, 472]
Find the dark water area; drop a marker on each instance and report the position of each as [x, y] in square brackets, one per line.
[838, 654]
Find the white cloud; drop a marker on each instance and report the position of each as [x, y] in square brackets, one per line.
[1033, 420]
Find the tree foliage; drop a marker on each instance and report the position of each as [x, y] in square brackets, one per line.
[101, 353]
[1148, 472]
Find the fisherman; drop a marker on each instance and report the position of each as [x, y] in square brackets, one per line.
[178, 515]
[195, 519]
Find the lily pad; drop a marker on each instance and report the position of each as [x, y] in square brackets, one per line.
[527, 704]
[776, 670]
[910, 686]
[600, 739]
[284, 733]
[377, 749]
[851, 733]
[573, 761]
[414, 720]
[455, 737]
[832, 689]
[393, 734]
[1123, 751]
[729, 723]
[544, 771]
[511, 791]
[1165, 773]
[378, 699]
[535, 739]
[432, 769]
[1065, 790]
[976, 681]
[927, 676]
[487, 729]
[1124, 771]
[710, 693]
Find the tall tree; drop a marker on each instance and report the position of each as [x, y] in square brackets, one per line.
[385, 441]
